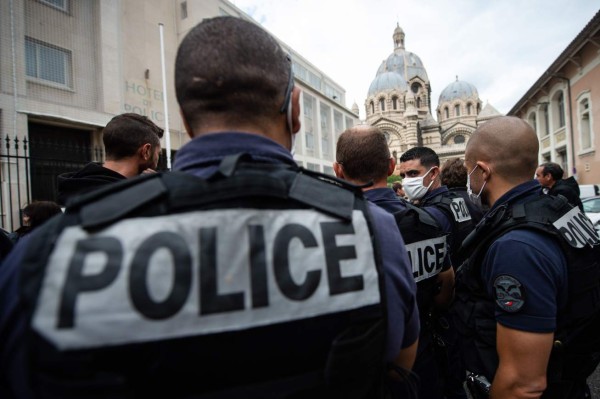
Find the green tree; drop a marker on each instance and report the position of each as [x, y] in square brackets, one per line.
[393, 178]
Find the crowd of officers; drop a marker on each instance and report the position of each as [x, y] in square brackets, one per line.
[241, 275]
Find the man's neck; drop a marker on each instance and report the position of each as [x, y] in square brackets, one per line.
[126, 167]
[377, 184]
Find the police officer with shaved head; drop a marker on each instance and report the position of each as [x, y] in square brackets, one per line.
[527, 297]
[238, 275]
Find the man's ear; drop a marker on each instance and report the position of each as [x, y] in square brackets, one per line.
[486, 170]
[296, 110]
[435, 173]
[338, 170]
[146, 151]
[185, 125]
[391, 166]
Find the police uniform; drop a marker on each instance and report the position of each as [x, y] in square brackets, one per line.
[202, 157]
[452, 212]
[474, 210]
[430, 362]
[499, 284]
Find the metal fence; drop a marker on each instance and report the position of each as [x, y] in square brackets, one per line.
[30, 169]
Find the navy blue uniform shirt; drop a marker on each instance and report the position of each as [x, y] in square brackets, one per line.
[532, 259]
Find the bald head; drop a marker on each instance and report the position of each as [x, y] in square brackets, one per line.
[509, 145]
[363, 153]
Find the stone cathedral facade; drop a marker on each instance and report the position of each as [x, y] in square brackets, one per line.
[399, 103]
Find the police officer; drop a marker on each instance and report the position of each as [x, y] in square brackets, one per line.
[244, 276]
[364, 159]
[454, 176]
[531, 275]
[420, 170]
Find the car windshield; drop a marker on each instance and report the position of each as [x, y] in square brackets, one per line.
[592, 205]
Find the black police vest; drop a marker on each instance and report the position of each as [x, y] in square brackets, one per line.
[576, 350]
[262, 281]
[426, 247]
[456, 210]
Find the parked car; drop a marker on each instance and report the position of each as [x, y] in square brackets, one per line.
[591, 207]
[588, 190]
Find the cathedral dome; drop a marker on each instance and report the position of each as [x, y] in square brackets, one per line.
[458, 90]
[399, 68]
[387, 81]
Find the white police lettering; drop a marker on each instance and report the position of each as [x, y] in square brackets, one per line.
[577, 229]
[202, 272]
[427, 257]
[460, 210]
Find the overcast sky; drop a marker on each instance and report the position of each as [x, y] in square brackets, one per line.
[502, 46]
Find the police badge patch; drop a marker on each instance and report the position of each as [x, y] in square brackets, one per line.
[510, 294]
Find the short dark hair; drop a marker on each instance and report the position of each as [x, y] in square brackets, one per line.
[40, 211]
[454, 173]
[126, 133]
[554, 169]
[363, 153]
[230, 69]
[396, 185]
[425, 155]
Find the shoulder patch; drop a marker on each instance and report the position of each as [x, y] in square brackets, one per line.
[510, 293]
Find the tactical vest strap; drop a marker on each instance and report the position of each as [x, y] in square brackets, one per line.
[122, 203]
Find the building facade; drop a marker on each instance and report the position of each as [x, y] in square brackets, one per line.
[563, 106]
[399, 103]
[68, 66]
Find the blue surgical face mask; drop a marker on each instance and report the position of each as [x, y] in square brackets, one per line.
[476, 199]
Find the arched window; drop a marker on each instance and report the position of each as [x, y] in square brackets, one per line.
[585, 124]
[395, 102]
[446, 113]
[415, 87]
[469, 108]
[459, 139]
[457, 110]
[557, 110]
[544, 120]
[372, 107]
[478, 108]
[561, 110]
[533, 121]
[382, 104]
[418, 102]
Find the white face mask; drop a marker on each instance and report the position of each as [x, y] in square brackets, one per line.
[414, 188]
[476, 199]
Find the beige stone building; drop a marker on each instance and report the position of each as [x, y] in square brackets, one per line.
[563, 106]
[399, 103]
[68, 66]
